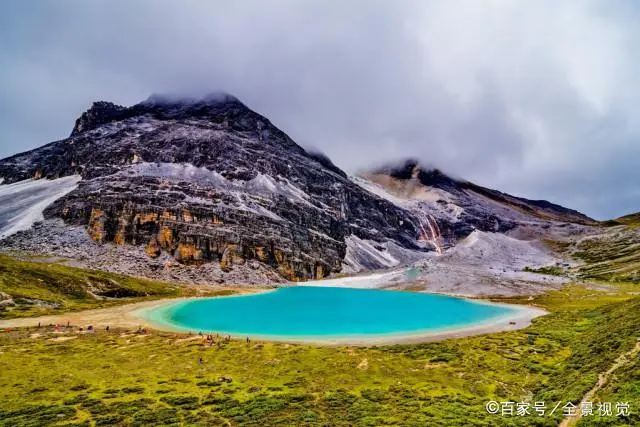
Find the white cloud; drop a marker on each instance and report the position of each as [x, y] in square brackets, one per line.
[538, 98]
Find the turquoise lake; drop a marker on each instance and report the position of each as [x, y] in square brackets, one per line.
[318, 312]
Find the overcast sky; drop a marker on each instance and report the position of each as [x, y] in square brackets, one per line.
[537, 98]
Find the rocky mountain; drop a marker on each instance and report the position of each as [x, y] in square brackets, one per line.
[209, 182]
[461, 206]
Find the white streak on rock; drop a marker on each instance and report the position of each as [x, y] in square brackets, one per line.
[22, 203]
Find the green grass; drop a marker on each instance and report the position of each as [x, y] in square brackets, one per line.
[632, 220]
[623, 387]
[39, 288]
[122, 378]
[553, 270]
[611, 257]
[156, 379]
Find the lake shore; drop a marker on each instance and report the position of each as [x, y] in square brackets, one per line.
[137, 315]
[121, 316]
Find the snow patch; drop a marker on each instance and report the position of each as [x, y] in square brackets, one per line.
[261, 185]
[323, 235]
[266, 185]
[179, 172]
[254, 208]
[376, 189]
[364, 255]
[22, 203]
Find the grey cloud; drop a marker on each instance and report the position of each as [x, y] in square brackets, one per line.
[534, 98]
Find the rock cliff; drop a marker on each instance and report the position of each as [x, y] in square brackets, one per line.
[210, 180]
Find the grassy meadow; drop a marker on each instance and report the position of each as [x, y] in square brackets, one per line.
[123, 378]
[120, 377]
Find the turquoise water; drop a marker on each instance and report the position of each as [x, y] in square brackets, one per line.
[308, 312]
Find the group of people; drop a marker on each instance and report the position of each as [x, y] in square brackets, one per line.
[208, 339]
[57, 327]
[211, 340]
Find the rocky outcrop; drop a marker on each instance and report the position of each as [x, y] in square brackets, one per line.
[100, 113]
[209, 180]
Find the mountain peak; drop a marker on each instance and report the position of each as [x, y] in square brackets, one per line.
[412, 168]
[160, 105]
[209, 180]
[101, 112]
[412, 171]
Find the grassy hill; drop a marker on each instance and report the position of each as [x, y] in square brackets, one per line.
[633, 219]
[611, 256]
[33, 288]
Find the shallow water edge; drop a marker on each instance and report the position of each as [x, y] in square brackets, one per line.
[518, 317]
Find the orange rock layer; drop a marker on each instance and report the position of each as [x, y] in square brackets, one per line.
[194, 239]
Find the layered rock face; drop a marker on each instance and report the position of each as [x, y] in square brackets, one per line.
[209, 180]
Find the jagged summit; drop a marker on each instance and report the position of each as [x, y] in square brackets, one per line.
[216, 131]
[101, 112]
[413, 169]
[218, 106]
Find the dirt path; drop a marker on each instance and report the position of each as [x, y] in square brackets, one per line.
[603, 377]
[101, 317]
[118, 316]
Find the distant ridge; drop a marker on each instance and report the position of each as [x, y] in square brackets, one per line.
[631, 219]
[432, 177]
